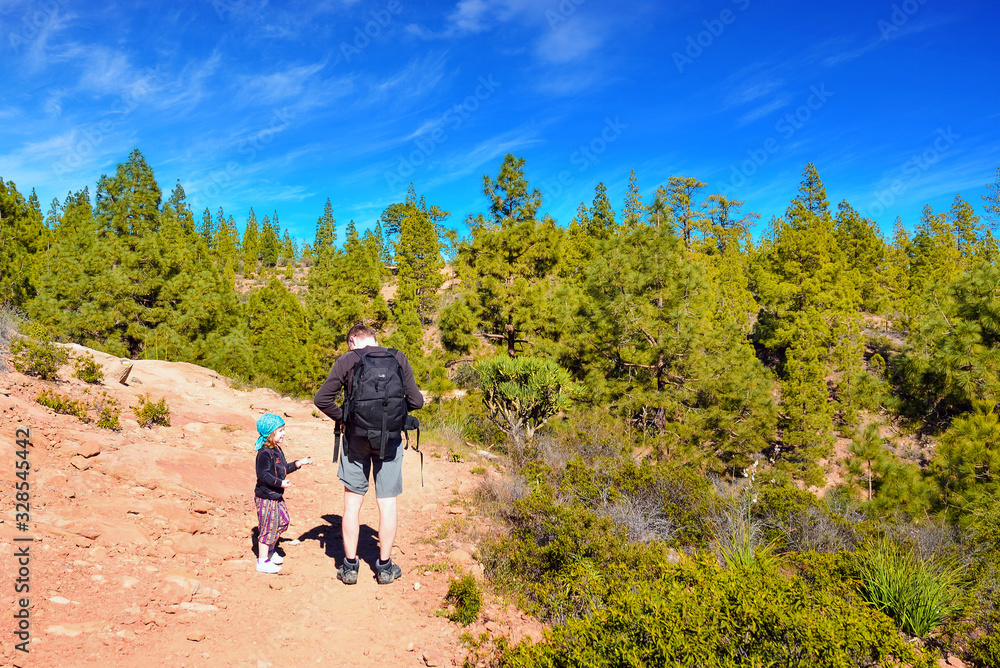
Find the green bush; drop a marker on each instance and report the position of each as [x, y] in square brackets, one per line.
[703, 615]
[88, 370]
[521, 393]
[464, 595]
[915, 593]
[149, 413]
[109, 412]
[38, 356]
[61, 403]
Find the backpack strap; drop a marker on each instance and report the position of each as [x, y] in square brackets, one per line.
[414, 423]
[349, 396]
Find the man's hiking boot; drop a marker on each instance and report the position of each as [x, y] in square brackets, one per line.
[347, 573]
[388, 573]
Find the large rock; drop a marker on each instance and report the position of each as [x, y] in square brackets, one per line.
[175, 589]
[88, 449]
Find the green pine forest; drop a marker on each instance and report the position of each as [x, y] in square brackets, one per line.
[771, 449]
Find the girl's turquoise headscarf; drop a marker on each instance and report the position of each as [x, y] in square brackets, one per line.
[266, 424]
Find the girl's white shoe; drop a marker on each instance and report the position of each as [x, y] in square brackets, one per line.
[274, 557]
[267, 567]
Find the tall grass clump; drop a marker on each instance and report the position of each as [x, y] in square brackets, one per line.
[739, 537]
[918, 594]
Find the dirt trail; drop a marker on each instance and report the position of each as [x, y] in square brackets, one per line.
[143, 551]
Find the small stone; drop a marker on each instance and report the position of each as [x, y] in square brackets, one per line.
[89, 449]
[194, 636]
[274, 584]
[431, 659]
[59, 600]
[80, 462]
[416, 586]
[409, 648]
[201, 506]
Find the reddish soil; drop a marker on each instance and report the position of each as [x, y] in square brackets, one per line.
[143, 538]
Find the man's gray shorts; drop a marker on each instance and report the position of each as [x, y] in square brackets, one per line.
[354, 471]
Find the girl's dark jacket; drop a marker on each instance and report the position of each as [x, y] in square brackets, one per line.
[271, 470]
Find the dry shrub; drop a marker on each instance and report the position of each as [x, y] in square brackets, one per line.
[643, 518]
[497, 493]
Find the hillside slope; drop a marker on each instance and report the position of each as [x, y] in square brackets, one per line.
[143, 537]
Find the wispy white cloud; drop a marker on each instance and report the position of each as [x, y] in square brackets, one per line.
[755, 88]
[277, 87]
[573, 40]
[470, 16]
[763, 110]
[416, 79]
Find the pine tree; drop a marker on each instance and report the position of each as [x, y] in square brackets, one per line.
[199, 314]
[227, 247]
[287, 249]
[633, 214]
[127, 209]
[954, 350]
[602, 217]
[23, 236]
[344, 288]
[69, 270]
[991, 203]
[662, 358]
[279, 335]
[251, 251]
[727, 262]
[969, 232]
[682, 192]
[895, 276]
[207, 229]
[504, 264]
[864, 254]
[418, 261]
[809, 316]
[326, 234]
[869, 458]
[269, 241]
[390, 223]
[966, 463]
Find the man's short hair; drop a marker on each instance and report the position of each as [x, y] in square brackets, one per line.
[361, 331]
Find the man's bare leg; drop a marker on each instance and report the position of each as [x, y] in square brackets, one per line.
[386, 527]
[350, 523]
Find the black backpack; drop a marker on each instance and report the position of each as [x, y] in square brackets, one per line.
[376, 407]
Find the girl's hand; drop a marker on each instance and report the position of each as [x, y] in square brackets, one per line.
[304, 461]
[285, 483]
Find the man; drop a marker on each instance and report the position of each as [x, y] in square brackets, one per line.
[362, 458]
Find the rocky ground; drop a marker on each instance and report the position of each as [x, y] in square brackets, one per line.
[143, 549]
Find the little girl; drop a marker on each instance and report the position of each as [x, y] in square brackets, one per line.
[272, 513]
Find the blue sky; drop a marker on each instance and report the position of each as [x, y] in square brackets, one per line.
[280, 105]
